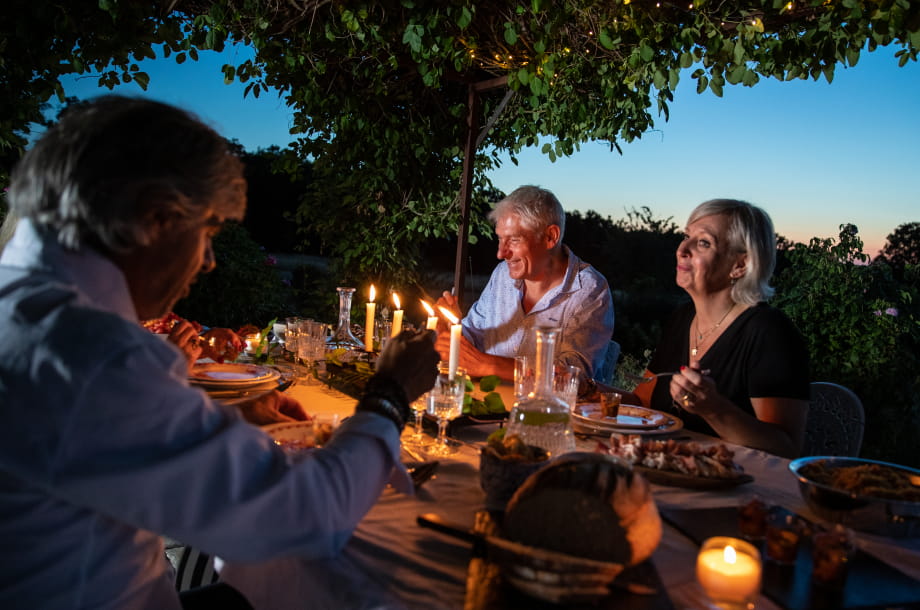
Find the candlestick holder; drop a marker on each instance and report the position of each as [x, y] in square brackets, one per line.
[343, 337]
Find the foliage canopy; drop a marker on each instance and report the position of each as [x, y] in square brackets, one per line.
[380, 89]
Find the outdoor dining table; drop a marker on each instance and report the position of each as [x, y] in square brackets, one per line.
[392, 562]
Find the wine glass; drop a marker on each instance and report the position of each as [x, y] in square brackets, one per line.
[445, 401]
[418, 438]
[311, 348]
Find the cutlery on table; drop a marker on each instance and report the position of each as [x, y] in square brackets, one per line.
[647, 378]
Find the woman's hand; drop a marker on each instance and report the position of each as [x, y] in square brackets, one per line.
[220, 344]
[272, 408]
[695, 392]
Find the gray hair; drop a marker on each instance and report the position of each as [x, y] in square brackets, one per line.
[97, 175]
[536, 207]
[750, 231]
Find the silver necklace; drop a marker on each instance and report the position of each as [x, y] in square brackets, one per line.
[700, 336]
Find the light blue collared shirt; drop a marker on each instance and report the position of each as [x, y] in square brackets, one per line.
[104, 446]
[581, 306]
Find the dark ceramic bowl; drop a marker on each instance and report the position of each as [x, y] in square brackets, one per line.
[888, 517]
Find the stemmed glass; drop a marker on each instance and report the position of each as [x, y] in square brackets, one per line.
[445, 401]
[418, 438]
[311, 347]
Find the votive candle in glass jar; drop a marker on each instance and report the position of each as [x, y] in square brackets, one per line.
[729, 570]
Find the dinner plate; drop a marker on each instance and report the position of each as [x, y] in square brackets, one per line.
[293, 437]
[629, 417]
[231, 375]
[671, 478]
[587, 426]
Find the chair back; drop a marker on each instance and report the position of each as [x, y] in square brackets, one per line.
[605, 373]
[836, 421]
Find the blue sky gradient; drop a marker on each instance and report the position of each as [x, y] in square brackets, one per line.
[814, 155]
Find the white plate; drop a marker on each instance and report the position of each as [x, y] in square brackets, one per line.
[231, 375]
[629, 417]
[587, 426]
[293, 437]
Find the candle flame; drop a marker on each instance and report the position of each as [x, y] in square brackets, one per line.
[373, 294]
[730, 555]
[447, 314]
[396, 300]
[427, 307]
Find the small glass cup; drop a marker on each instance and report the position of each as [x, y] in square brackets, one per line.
[418, 438]
[783, 535]
[610, 404]
[752, 518]
[523, 377]
[831, 551]
[565, 383]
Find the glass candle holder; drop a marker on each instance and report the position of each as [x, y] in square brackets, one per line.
[783, 536]
[729, 571]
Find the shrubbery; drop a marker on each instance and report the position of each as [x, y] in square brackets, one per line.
[862, 328]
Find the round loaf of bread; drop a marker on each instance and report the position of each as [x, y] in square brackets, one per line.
[587, 505]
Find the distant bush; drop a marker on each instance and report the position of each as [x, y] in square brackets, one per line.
[862, 328]
[245, 287]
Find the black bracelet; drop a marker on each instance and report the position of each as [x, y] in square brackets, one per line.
[386, 397]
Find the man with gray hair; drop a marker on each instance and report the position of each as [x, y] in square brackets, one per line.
[103, 444]
[540, 282]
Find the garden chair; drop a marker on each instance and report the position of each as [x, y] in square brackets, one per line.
[836, 421]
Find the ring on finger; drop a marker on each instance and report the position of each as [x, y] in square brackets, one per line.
[686, 399]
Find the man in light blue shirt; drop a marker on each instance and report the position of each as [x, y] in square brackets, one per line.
[103, 444]
[540, 282]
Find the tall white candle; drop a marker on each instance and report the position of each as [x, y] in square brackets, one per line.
[432, 318]
[729, 570]
[456, 332]
[369, 322]
[397, 317]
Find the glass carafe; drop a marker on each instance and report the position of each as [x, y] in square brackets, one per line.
[343, 337]
[542, 418]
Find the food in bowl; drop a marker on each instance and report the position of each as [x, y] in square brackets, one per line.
[852, 498]
[870, 480]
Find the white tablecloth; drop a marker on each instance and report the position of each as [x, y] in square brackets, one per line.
[391, 562]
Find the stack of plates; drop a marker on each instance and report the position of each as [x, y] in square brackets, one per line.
[233, 382]
[589, 417]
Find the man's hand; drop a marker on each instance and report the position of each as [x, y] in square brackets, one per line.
[184, 336]
[476, 363]
[410, 360]
[272, 408]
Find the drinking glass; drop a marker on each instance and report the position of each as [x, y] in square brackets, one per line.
[311, 347]
[445, 401]
[523, 377]
[565, 383]
[418, 438]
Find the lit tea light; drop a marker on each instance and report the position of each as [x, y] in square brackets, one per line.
[455, 332]
[369, 322]
[397, 317]
[432, 323]
[729, 570]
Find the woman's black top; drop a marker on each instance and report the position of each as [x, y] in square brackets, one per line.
[761, 354]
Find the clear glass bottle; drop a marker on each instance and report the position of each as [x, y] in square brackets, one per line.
[542, 418]
[343, 337]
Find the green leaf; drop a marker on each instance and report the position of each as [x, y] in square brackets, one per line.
[646, 52]
[489, 383]
[494, 403]
[466, 17]
[511, 36]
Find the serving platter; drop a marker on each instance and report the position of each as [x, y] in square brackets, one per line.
[671, 478]
[585, 425]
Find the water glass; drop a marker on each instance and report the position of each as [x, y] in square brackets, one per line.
[418, 438]
[610, 404]
[565, 383]
[523, 377]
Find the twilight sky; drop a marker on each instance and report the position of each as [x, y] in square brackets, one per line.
[814, 155]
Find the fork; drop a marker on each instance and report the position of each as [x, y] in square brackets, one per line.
[647, 378]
